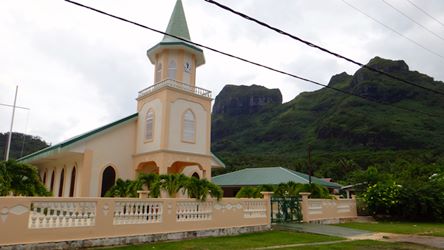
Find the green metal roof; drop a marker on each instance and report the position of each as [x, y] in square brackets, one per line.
[270, 176]
[177, 25]
[59, 146]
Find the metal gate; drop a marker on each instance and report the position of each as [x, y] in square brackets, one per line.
[285, 209]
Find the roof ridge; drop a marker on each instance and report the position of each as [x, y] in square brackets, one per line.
[295, 174]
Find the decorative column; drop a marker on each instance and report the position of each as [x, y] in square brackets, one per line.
[304, 206]
[267, 199]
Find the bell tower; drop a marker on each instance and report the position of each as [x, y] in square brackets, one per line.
[174, 115]
[173, 58]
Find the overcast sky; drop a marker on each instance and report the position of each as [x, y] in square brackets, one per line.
[78, 70]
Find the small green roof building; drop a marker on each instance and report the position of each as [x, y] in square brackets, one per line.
[232, 182]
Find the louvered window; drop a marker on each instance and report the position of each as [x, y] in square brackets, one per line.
[149, 125]
[189, 127]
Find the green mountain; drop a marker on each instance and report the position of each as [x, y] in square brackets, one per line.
[338, 127]
[21, 144]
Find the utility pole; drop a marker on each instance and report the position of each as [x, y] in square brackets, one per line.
[8, 146]
[310, 171]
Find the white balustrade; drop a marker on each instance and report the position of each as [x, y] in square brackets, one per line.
[194, 210]
[62, 214]
[177, 85]
[137, 212]
[255, 209]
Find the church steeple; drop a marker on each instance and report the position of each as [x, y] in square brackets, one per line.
[177, 25]
[173, 58]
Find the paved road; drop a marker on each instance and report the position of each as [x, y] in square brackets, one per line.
[327, 230]
[355, 234]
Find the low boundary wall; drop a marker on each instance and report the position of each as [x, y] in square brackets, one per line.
[85, 222]
[327, 211]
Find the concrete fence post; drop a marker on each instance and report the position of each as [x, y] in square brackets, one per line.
[267, 198]
[304, 206]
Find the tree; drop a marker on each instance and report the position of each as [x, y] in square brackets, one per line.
[173, 183]
[249, 192]
[20, 179]
[151, 182]
[123, 188]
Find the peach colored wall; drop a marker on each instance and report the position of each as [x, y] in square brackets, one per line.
[113, 148]
[178, 108]
[327, 209]
[105, 217]
[142, 144]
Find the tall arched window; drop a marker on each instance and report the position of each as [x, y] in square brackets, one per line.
[189, 127]
[158, 72]
[73, 182]
[62, 180]
[108, 179]
[51, 187]
[44, 177]
[195, 175]
[149, 124]
[172, 67]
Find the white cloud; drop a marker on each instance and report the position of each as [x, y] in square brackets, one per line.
[78, 70]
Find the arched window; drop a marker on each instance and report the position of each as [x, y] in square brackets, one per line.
[108, 179]
[51, 187]
[172, 67]
[73, 182]
[149, 120]
[44, 177]
[189, 127]
[158, 72]
[62, 180]
[195, 175]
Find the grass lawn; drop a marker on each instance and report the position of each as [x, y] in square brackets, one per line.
[433, 229]
[243, 241]
[364, 245]
[273, 238]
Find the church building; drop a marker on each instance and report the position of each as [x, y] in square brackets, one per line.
[170, 133]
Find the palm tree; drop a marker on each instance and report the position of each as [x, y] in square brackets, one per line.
[20, 179]
[151, 182]
[123, 188]
[248, 192]
[173, 183]
[201, 189]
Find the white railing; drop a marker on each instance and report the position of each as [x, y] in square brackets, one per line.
[131, 212]
[62, 214]
[33, 220]
[255, 209]
[194, 210]
[177, 85]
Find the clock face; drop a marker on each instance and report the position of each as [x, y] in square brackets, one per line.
[187, 67]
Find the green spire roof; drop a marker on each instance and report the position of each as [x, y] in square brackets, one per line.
[177, 25]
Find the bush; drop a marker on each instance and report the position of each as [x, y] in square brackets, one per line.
[382, 198]
[18, 178]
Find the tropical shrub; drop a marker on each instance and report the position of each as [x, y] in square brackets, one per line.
[123, 188]
[382, 198]
[249, 192]
[150, 182]
[292, 189]
[20, 179]
[172, 184]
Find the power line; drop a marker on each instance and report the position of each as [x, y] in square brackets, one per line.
[252, 62]
[393, 30]
[321, 48]
[413, 20]
[425, 12]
